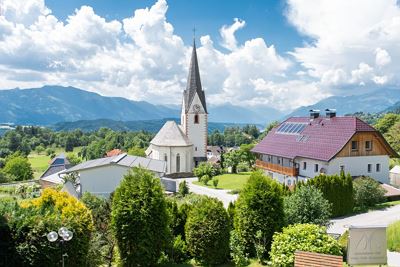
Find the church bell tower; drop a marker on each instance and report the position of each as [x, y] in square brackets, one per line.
[194, 114]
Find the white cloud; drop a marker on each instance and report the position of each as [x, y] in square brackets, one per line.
[228, 34]
[382, 57]
[353, 41]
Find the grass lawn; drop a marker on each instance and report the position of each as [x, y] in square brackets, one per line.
[232, 181]
[393, 236]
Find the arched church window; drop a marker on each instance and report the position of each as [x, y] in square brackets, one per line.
[178, 163]
[196, 119]
[166, 160]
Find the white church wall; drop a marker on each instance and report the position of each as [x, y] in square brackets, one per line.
[185, 153]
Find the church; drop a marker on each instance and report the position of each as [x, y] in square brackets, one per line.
[184, 146]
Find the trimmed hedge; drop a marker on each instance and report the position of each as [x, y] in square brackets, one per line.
[207, 232]
[338, 190]
[139, 218]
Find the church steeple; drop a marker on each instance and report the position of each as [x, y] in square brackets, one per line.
[193, 82]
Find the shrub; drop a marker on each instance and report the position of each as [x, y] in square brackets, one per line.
[304, 237]
[140, 219]
[367, 192]
[103, 242]
[393, 236]
[180, 252]
[73, 158]
[259, 208]
[338, 190]
[19, 167]
[215, 182]
[307, 205]
[33, 219]
[238, 255]
[183, 189]
[137, 151]
[204, 169]
[207, 232]
[205, 179]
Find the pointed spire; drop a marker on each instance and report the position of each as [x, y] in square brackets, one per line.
[193, 81]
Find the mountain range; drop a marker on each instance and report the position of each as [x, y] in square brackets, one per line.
[57, 105]
[49, 105]
[373, 102]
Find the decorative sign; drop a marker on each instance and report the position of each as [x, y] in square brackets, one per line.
[367, 245]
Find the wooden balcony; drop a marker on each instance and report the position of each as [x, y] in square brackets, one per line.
[291, 171]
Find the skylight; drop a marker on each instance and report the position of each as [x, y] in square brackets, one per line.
[291, 128]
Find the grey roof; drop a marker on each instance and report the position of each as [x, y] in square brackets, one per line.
[122, 160]
[171, 135]
[57, 164]
[193, 83]
[54, 178]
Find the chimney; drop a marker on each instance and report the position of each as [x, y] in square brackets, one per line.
[330, 113]
[314, 113]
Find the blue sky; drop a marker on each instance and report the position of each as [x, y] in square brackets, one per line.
[264, 18]
[281, 54]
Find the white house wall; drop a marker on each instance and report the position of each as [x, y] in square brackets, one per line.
[358, 166]
[103, 180]
[310, 170]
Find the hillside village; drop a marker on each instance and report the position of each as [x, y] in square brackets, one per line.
[334, 165]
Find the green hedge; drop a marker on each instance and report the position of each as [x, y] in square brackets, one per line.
[338, 190]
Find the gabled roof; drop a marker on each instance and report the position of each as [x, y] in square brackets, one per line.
[171, 135]
[193, 85]
[321, 138]
[122, 160]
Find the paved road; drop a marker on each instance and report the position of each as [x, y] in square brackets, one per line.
[378, 217]
[222, 195]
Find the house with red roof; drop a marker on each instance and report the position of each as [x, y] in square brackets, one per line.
[302, 147]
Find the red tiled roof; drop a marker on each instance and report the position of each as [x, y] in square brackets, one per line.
[321, 139]
[114, 152]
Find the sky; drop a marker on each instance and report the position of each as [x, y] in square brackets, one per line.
[276, 53]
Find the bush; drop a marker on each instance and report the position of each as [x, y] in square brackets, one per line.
[183, 189]
[307, 205]
[238, 255]
[19, 167]
[73, 158]
[215, 182]
[180, 252]
[393, 236]
[140, 219]
[207, 232]
[204, 169]
[205, 179]
[367, 192]
[338, 190]
[304, 237]
[259, 208]
[103, 242]
[33, 219]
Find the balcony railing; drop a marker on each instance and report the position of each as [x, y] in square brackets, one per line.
[291, 171]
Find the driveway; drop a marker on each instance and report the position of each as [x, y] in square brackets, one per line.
[377, 217]
[220, 194]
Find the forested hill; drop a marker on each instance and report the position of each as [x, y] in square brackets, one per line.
[152, 126]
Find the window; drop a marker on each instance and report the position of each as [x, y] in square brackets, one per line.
[166, 160]
[178, 163]
[354, 145]
[369, 167]
[368, 145]
[304, 165]
[378, 167]
[269, 158]
[316, 168]
[195, 148]
[196, 119]
[289, 182]
[279, 161]
[342, 168]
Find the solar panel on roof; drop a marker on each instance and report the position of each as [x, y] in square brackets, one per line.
[291, 128]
